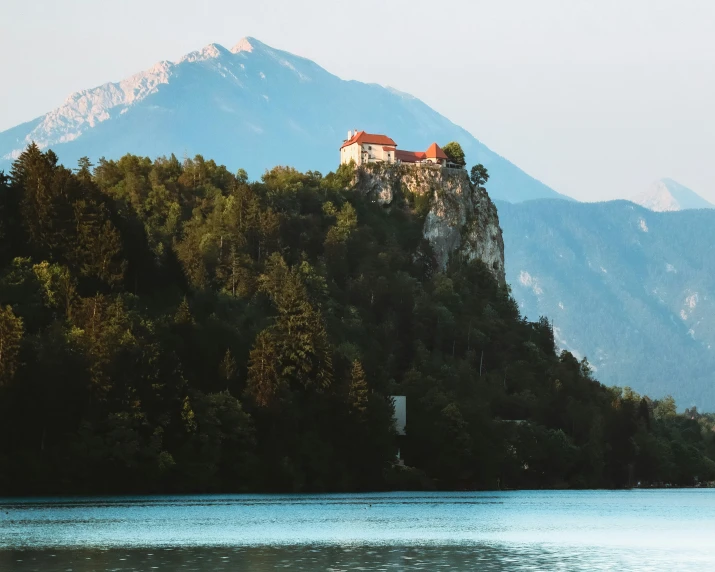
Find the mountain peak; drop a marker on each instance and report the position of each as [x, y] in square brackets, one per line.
[244, 45]
[208, 52]
[667, 195]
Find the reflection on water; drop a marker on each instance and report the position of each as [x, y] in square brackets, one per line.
[332, 558]
[629, 531]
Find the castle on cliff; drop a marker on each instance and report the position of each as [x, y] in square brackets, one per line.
[362, 148]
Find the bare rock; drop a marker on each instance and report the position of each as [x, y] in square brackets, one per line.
[460, 220]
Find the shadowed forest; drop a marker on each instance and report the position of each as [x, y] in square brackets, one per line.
[169, 326]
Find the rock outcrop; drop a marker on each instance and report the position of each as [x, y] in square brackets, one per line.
[459, 218]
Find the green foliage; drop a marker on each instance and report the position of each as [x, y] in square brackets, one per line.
[59, 287]
[67, 218]
[218, 453]
[665, 408]
[296, 344]
[168, 326]
[342, 178]
[479, 176]
[358, 389]
[11, 331]
[455, 153]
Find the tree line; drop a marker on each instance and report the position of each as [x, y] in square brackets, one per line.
[170, 326]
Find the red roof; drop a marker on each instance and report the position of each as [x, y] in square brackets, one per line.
[370, 138]
[434, 152]
[410, 156]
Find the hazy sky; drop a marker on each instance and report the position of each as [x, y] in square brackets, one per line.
[595, 98]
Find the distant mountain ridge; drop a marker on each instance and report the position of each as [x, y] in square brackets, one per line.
[669, 195]
[249, 107]
[631, 289]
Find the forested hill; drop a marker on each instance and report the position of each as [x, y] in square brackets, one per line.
[168, 326]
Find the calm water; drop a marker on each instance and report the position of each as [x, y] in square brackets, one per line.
[624, 531]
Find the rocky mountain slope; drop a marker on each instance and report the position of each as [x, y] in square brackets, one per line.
[669, 195]
[631, 289]
[460, 220]
[249, 107]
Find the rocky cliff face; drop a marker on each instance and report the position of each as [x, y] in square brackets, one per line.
[459, 218]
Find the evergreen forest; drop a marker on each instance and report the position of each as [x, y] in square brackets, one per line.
[170, 326]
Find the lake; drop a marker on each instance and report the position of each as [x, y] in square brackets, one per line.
[653, 530]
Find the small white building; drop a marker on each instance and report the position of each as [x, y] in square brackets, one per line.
[362, 148]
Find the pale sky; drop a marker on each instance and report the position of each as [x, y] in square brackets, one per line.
[595, 98]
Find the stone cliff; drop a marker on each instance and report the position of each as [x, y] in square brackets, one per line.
[459, 218]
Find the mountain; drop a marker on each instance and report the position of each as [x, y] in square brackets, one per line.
[669, 195]
[249, 107]
[631, 289]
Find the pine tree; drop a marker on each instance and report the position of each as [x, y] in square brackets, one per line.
[11, 332]
[227, 368]
[301, 339]
[357, 397]
[97, 247]
[263, 380]
[84, 169]
[183, 313]
[32, 177]
[479, 176]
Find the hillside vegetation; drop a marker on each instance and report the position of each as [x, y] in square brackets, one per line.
[170, 326]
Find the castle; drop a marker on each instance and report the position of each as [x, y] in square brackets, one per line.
[362, 148]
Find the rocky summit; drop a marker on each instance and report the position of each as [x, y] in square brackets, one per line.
[667, 195]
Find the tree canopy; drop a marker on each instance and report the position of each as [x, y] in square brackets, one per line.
[454, 152]
[169, 326]
[479, 176]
